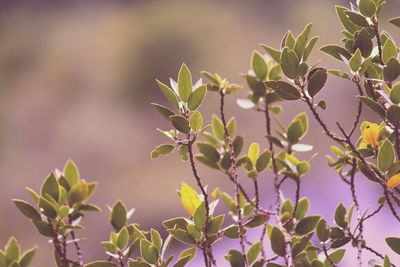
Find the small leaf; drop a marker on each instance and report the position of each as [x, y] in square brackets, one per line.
[278, 242]
[118, 217]
[357, 19]
[197, 97]
[148, 252]
[12, 250]
[100, 264]
[392, 69]
[180, 123]
[395, 21]
[253, 252]
[336, 51]
[389, 50]
[218, 128]
[27, 209]
[393, 114]
[367, 8]
[253, 153]
[123, 238]
[340, 214]
[289, 63]
[394, 244]
[372, 105]
[196, 121]
[259, 65]
[189, 198]
[184, 83]
[307, 225]
[322, 231]
[317, 82]
[27, 257]
[386, 155]
[164, 111]
[284, 90]
[355, 61]
[164, 149]
[235, 258]
[169, 94]
[71, 173]
[275, 54]
[263, 161]
[51, 187]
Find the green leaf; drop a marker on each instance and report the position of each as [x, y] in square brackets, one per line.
[357, 19]
[355, 61]
[278, 242]
[289, 63]
[51, 187]
[336, 52]
[395, 94]
[197, 97]
[199, 216]
[395, 21]
[148, 252]
[309, 48]
[123, 238]
[164, 111]
[218, 128]
[169, 94]
[118, 217]
[253, 153]
[184, 83]
[372, 105]
[259, 65]
[12, 250]
[27, 209]
[340, 214]
[196, 121]
[386, 155]
[386, 262]
[393, 243]
[302, 41]
[164, 149]
[185, 257]
[100, 264]
[215, 224]
[392, 69]
[302, 208]
[235, 258]
[180, 123]
[367, 8]
[71, 173]
[364, 43]
[253, 252]
[393, 114]
[317, 82]
[322, 231]
[182, 236]
[335, 257]
[389, 50]
[284, 90]
[295, 131]
[275, 54]
[47, 208]
[27, 257]
[263, 161]
[209, 151]
[344, 19]
[307, 225]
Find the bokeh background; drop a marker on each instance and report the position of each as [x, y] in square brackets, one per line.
[77, 78]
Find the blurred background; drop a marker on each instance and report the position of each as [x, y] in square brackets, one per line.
[77, 79]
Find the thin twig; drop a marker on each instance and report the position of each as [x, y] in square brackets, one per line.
[234, 175]
[208, 250]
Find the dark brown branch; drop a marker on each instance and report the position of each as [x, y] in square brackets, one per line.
[208, 259]
[319, 119]
[359, 110]
[234, 175]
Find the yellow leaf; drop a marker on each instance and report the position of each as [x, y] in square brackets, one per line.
[394, 181]
[189, 198]
[370, 134]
